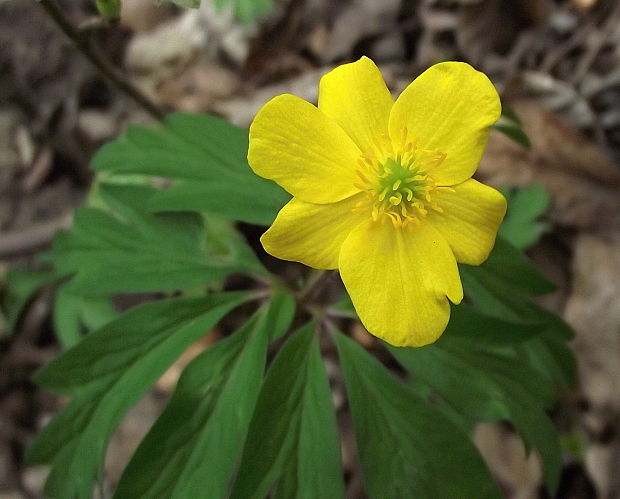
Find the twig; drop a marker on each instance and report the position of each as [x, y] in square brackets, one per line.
[32, 238]
[523, 44]
[588, 57]
[340, 314]
[555, 54]
[93, 23]
[82, 41]
[611, 80]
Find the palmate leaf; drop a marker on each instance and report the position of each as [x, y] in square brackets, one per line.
[206, 157]
[502, 357]
[508, 268]
[407, 448]
[479, 379]
[74, 315]
[21, 286]
[193, 448]
[192, 4]
[293, 445]
[501, 287]
[246, 10]
[128, 250]
[511, 126]
[522, 226]
[110, 9]
[487, 384]
[106, 374]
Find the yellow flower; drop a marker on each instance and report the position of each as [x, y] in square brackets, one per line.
[383, 189]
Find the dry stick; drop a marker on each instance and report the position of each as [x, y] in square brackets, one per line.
[588, 58]
[315, 281]
[32, 238]
[81, 39]
[555, 54]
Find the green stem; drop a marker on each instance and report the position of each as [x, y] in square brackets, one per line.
[312, 285]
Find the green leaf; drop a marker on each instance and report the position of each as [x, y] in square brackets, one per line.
[75, 315]
[478, 381]
[193, 4]
[206, 157]
[550, 354]
[511, 126]
[107, 373]
[131, 251]
[21, 286]
[406, 447]
[508, 268]
[110, 9]
[246, 10]
[194, 447]
[293, 440]
[488, 331]
[282, 309]
[501, 288]
[514, 132]
[510, 114]
[489, 386]
[522, 227]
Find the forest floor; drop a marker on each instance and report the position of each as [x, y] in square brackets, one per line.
[557, 63]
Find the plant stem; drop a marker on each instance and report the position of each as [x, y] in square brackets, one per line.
[313, 284]
[82, 41]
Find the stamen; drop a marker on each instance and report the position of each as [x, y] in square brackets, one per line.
[394, 175]
[361, 176]
[396, 199]
[375, 213]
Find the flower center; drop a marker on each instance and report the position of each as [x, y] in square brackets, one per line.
[397, 176]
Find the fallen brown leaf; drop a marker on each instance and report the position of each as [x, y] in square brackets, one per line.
[584, 184]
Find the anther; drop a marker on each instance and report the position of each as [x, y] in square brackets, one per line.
[396, 199]
[361, 176]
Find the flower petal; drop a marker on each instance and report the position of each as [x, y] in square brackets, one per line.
[398, 280]
[448, 108]
[304, 151]
[355, 96]
[313, 233]
[470, 220]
